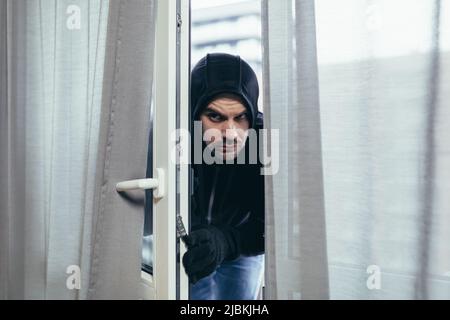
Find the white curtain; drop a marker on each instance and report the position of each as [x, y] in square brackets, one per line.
[359, 91]
[115, 271]
[62, 94]
[50, 121]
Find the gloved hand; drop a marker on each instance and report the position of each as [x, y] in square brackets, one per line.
[208, 247]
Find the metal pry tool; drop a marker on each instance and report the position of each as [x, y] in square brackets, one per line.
[181, 231]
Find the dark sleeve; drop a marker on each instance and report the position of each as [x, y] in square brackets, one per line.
[249, 236]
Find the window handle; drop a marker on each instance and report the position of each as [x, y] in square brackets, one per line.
[157, 183]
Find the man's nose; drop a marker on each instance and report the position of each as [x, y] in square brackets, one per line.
[230, 131]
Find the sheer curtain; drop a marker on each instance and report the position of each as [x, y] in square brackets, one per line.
[67, 75]
[359, 92]
[115, 271]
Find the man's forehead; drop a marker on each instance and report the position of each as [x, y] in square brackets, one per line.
[226, 106]
[228, 95]
[227, 99]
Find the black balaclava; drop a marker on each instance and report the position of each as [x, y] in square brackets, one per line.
[219, 73]
[229, 195]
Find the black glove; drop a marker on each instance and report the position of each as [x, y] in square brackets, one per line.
[208, 247]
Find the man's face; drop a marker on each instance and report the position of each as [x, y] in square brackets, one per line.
[229, 116]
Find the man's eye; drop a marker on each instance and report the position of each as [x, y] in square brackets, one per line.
[241, 117]
[215, 117]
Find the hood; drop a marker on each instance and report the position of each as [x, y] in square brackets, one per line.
[219, 73]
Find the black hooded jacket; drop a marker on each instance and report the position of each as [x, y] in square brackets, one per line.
[229, 196]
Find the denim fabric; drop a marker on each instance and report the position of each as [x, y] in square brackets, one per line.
[238, 279]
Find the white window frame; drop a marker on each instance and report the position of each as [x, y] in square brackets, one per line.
[172, 52]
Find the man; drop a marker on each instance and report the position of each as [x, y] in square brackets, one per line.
[226, 244]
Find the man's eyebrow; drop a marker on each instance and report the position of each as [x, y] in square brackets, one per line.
[242, 113]
[210, 109]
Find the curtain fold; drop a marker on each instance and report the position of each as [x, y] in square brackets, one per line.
[124, 131]
[48, 134]
[75, 91]
[296, 247]
[380, 161]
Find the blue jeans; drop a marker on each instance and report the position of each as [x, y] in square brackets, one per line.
[238, 279]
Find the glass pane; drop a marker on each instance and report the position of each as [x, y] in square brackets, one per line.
[147, 243]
